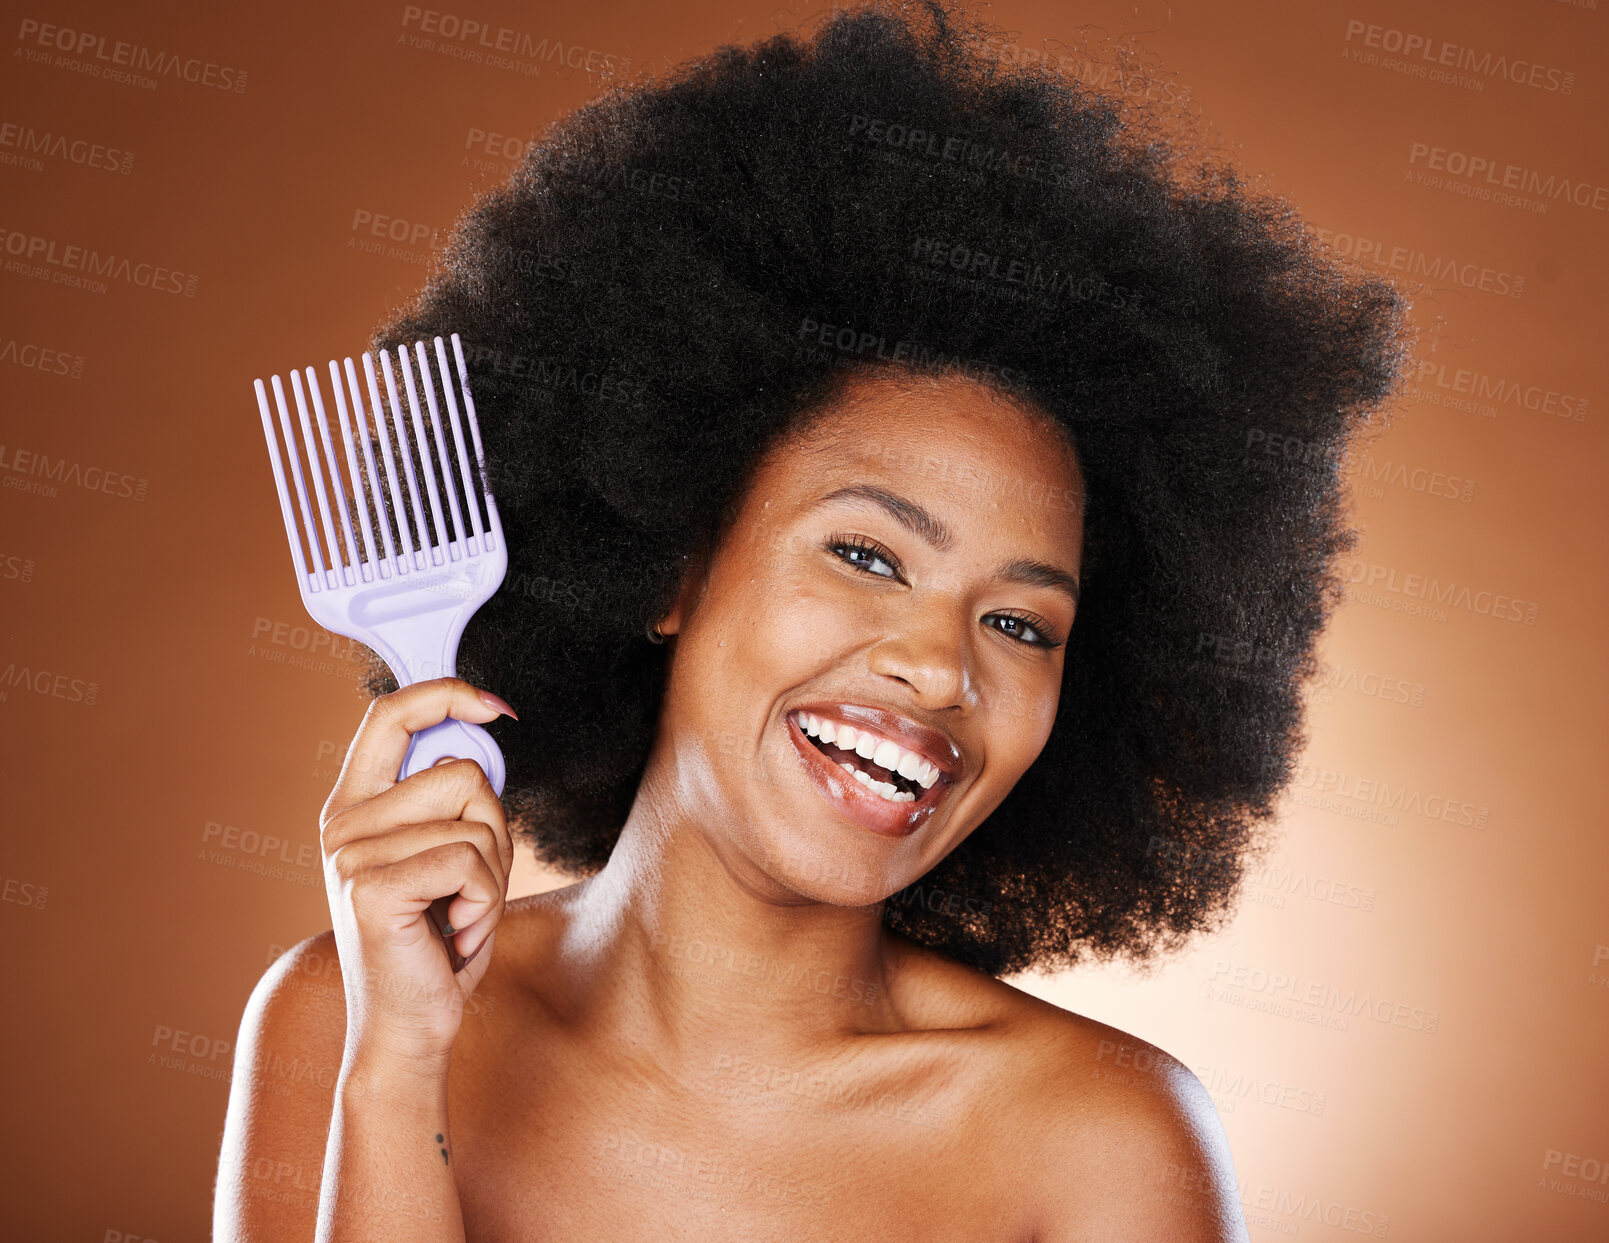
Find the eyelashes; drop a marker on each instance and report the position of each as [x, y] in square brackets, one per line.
[862, 553]
[868, 548]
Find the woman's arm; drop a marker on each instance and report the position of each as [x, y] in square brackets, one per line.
[387, 1166]
[337, 1128]
[322, 1145]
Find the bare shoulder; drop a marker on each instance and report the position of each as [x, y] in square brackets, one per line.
[533, 925]
[1135, 1149]
[1123, 1136]
[546, 912]
[281, 1094]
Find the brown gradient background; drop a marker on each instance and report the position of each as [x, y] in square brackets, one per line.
[127, 921]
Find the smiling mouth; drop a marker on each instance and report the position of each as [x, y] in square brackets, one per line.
[891, 785]
[869, 769]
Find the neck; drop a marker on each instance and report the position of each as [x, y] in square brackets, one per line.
[683, 946]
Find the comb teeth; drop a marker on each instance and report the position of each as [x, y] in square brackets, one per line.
[409, 539]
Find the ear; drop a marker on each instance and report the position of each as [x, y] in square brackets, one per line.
[687, 596]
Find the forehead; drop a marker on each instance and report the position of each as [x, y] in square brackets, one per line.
[948, 438]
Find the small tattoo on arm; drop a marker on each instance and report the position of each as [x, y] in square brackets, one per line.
[444, 1160]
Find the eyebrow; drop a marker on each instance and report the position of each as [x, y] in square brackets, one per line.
[914, 518]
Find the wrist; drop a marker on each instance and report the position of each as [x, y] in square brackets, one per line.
[395, 1076]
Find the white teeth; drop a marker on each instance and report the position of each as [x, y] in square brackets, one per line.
[883, 752]
[882, 788]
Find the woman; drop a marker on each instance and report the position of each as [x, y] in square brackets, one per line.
[880, 437]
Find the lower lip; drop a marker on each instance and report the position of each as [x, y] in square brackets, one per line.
[854, 801]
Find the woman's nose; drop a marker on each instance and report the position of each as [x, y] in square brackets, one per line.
[929, 650]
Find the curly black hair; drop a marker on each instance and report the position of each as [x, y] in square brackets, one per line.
[685, 269]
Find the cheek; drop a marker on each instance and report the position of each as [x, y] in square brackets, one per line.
[1021, 720]
[790, 633]
[763, 627]
[782, 624]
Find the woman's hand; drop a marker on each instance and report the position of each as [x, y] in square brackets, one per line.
[391, 848]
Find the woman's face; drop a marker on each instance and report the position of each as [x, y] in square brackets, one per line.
[902, 571]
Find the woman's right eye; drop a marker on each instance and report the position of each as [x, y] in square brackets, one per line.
[862, 553]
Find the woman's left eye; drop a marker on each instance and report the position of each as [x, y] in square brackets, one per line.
[1020, 626]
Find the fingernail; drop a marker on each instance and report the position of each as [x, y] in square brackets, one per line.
[492, 701]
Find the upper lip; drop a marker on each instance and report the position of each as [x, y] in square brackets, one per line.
[933, 745]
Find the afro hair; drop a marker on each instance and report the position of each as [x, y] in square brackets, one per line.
[686, 268]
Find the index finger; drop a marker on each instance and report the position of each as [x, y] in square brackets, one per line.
[390, 722]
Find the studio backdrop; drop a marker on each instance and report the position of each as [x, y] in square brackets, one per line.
[1404, 1025]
